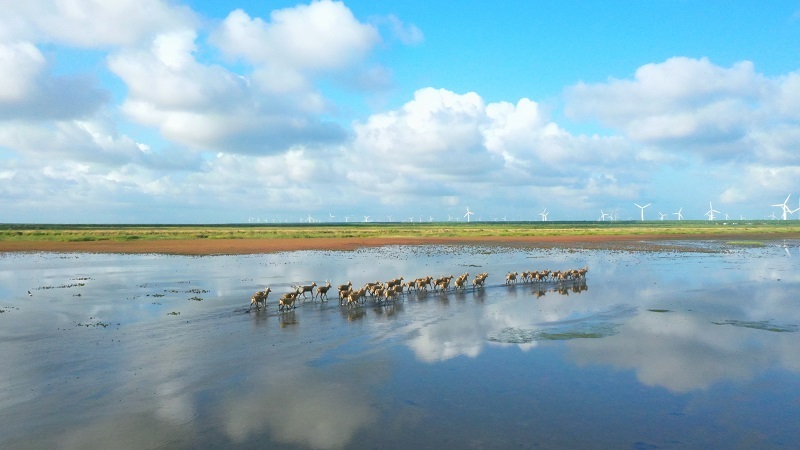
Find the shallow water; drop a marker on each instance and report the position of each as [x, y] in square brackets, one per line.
[656, 349]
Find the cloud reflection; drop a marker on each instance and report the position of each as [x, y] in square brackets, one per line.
[462, 334]
[299, 407]
[693, 344]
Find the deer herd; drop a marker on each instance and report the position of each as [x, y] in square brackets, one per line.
[384, 292]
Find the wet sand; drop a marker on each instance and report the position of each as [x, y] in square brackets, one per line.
[259, 246]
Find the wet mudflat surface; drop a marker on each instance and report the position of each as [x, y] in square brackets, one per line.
[657, 349]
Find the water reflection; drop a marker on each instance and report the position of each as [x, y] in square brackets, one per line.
[287, 318]
[681, 349]
[325, 376]
[353, 314]
[300, 407]
[688, 350]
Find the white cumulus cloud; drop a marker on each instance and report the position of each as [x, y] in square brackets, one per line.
[693, 106]
[208, 107]
[296, 42]
[447, 144]
[91, 23]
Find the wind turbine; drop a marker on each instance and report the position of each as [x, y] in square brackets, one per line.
[468, 214]
[331, 217]
[366, 218]
[784, 207]
[310, 219]
[680, 216]
[710, 212]
[662, 215]
[544, 214]
[642, 208]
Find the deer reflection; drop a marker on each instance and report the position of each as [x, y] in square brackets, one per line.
[421, 295]
[352, 314]
[286, 319]
[260, 317]
[387, 310]
[576, 287]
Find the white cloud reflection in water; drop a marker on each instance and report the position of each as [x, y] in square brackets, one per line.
[300, 406]
[728, 321]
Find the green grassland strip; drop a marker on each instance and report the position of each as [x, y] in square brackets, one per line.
[82, 233]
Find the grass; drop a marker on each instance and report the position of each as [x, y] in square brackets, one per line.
[80, 233]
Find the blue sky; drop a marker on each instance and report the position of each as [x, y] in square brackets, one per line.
[157, 111]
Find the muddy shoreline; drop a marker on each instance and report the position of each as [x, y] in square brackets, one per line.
[256, 246]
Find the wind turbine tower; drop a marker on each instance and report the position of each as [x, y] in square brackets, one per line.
[544, 214]
[784, 207]
[680, 216]
[711, 212]
[642, 208]
[468, 214]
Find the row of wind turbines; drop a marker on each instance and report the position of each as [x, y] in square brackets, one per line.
[711, 214]
[711, 211]
[310, 219]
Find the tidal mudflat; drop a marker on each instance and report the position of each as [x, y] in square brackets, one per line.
[693, 347]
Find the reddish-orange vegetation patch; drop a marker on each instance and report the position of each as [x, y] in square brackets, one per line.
[255, 246]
